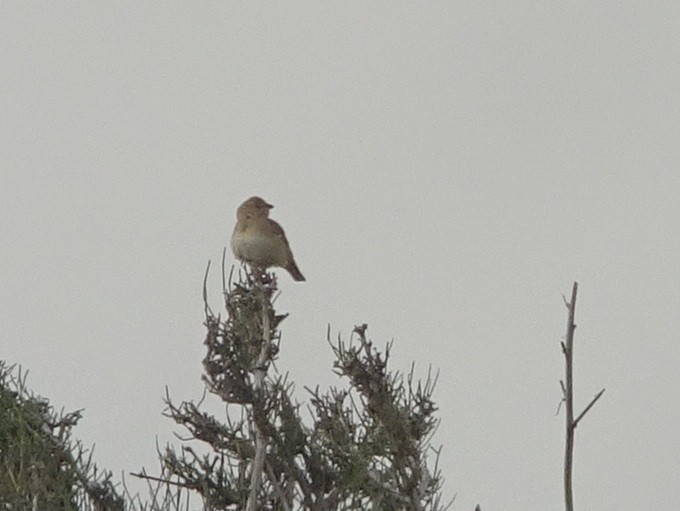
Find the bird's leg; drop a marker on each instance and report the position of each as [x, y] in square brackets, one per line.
[257, 273]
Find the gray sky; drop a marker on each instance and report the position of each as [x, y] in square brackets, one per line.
[444, 172]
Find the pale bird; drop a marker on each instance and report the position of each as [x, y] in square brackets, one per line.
[260, 241]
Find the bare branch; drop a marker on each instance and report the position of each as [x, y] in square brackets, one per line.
[157, 479]
[568, 399]
[568, 350]
[590, 405]
[206, 307]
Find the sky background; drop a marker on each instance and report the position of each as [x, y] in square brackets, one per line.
[444, 172]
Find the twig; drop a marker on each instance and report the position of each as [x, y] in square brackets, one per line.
[567, 350]
[277, 488]
[206, 307]
[568, 399]
[597, 396]
[224, 279]
[158, 479]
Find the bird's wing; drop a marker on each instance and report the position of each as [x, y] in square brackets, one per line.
[276, 230]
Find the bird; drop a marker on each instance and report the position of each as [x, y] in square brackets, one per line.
[260, 241]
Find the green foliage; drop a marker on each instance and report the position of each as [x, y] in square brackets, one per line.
[362, 447]
[41, 468]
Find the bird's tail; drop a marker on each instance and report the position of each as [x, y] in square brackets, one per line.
[295, 271]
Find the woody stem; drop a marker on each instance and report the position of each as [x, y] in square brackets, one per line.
[259, 373]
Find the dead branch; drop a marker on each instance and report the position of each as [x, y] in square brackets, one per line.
[568, 399]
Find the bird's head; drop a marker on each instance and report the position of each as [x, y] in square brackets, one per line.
[255, 207]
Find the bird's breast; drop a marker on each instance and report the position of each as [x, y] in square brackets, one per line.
[254, 247]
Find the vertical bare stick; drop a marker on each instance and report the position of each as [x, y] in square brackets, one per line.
[259, 372]
[568, 398]
[567, 349]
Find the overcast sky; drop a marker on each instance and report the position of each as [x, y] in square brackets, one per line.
[444, 172]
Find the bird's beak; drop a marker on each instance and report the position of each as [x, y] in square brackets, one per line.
[269, 206]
